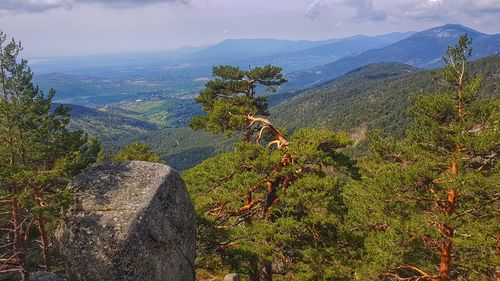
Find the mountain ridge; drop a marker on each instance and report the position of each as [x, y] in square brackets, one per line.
[423, 49]
[375, 95]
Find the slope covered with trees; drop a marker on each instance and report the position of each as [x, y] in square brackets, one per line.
[271, 207]
[38, 156]
[420, 204]
[421, 207]
[136, 151]
[104, 125]
[376, 96]
[427, 206]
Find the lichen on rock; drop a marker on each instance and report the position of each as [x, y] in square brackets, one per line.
[129, 221]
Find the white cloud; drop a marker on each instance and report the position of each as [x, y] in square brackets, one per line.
[36, 6]
[313, 10]
[366, 11]
[76, 27]
[33, 5]
[363, 9]
[382, 10]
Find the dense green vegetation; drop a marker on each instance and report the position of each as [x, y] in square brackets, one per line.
[419, 206]
[171, 113]
[420, 202]
[376, 96]
[372, 97]
[38, 156]
[105, 126]
[427, 205]
[268, 211]
[136, 151]
[181, 148]
[231, 96]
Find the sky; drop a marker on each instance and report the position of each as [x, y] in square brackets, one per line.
[55, 28]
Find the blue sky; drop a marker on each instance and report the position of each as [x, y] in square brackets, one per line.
[50, 28]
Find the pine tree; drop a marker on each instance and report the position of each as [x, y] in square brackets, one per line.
[428, 204]
[38, 155]
[256, 212]
[271, 208]
[230, 101]
[136, 151]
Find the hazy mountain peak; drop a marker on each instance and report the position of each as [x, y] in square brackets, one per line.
[448, 31]
[423, 49]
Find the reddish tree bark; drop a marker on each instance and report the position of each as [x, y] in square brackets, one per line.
[444, 266]
[446, 230]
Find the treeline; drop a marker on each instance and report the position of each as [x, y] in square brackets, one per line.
[423, 206]
[376, 95]
[373, 97]
[38, 157]
[288, 206]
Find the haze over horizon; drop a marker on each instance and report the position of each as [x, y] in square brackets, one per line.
[58, 28]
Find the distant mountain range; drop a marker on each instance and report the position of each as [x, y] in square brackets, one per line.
[163, 96]
[336, 49]
[291, 55]
[239, 48]
[423, 49]
[232, 49]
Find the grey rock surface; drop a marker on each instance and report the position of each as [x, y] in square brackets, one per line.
[232, 277]
[129, 221]
[44, 276]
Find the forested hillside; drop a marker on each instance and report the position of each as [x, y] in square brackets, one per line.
[105, 126]
[371, 97]
[376, 96]
[378, 168]
[421, 206]
[181, 148]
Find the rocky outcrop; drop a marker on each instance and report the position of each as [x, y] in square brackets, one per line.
[44, 276]
[232, 277]
[129, 221]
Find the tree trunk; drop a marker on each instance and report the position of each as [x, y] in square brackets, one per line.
[248, 134]
[444, 266]
[448, 231]
[18, 237]
[459, 92]
[266, 273]
[41, 228]
[254, 269]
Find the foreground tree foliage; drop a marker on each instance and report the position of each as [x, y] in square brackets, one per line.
[272, 208]
[38, 156]
[137, 151]
[291, 230]
[428, 205]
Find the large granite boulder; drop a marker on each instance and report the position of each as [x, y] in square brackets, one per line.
[129, 221]
[232, 277]
[44, 276]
